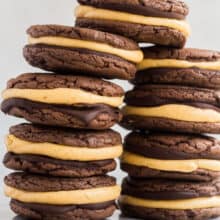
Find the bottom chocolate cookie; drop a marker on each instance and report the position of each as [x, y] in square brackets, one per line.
[55, 167]
[170, 200]
[70, 212]
[165, 124]
[167, 214]
[145, 172]
[178, 76]
[94, 116]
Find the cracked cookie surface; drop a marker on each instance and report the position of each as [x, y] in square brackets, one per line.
[84, 51]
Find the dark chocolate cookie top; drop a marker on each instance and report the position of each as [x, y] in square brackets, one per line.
[85, 34]
[38, 183]
[188, 54]
[158, 189]
[155, 8]
[196, 77]
[171, 146]
[66, 136]
[154, 95]
[54, 81]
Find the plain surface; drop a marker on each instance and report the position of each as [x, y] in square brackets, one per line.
[17, 16]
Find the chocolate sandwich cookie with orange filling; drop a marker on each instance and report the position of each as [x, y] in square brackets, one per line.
[73, 50]
[170, 200]
[64, 100]
[171, 156]
[62, 152]
[188, 66]
[57, 198]
[172, 108]
[149, 21]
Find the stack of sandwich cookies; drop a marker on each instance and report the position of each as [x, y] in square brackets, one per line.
[172, 105]
[67, 152]
[170, 199]
[44, 197]
[158, 22]
[83, 156]
[64, 100]
[173, 168]
[62, 152]
[73, 50]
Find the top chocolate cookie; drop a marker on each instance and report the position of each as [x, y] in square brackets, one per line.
[40, 81]
[157, 189]
[160, 22]
[188, 54]
[188, 66]
[38, 183]
[81, 50]
[154, 8]
[37, 31]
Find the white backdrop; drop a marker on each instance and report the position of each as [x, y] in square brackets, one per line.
[17, 16]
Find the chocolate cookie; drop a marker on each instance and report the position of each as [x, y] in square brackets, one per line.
[190, 67]
[73, 50]
[172, 108]
[171, 156]
[62, 152]
[63, 100]
[159, 22]
[170, 200]
[42, 197]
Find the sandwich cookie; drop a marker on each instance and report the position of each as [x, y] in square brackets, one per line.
[63, 100]
[62, 152]
[172, 108]
[170, 200]
[190, 67]
[159, 22]
[73, 50]
[171, 156]
[44, 197]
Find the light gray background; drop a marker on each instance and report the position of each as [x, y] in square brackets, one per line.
[17, 16]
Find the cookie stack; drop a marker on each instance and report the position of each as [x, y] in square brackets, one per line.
[173, 167]
[174, 170]
[68, 148]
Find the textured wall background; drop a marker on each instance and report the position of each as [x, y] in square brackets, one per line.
[16, 16]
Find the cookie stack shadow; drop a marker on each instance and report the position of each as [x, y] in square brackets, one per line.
[68, 149]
